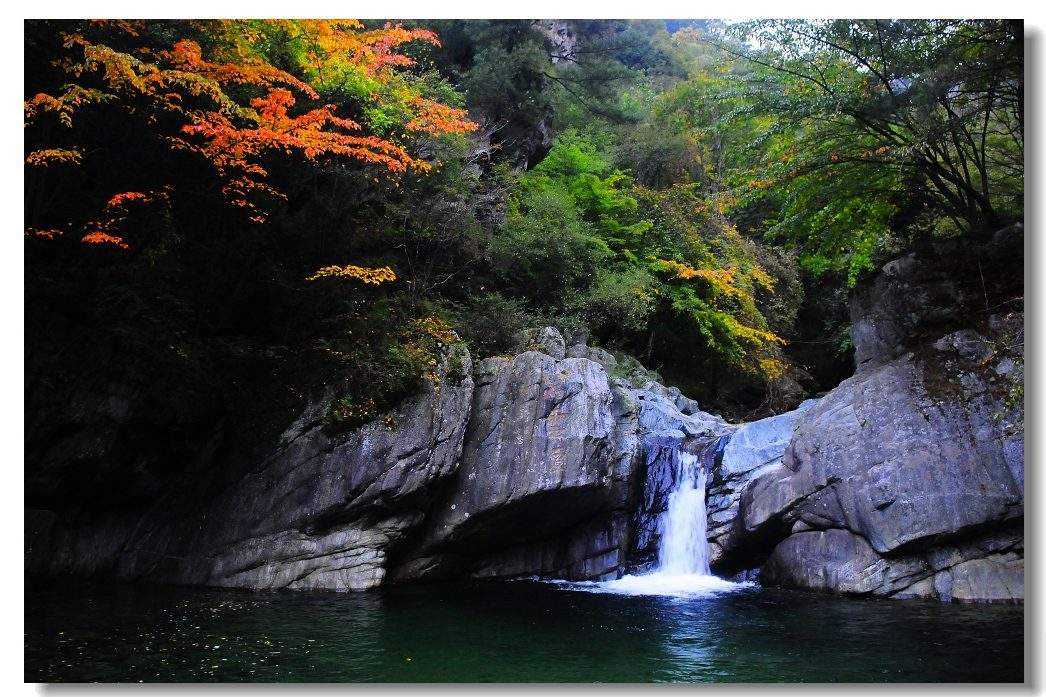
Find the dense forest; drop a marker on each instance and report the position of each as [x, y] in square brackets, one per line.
[223, 218]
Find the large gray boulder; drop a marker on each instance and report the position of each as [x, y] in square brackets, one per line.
[920, 448]
[750, 451]
[987, 569]
[547, 340]
[545, 475]
[829, 560]
[919, 455]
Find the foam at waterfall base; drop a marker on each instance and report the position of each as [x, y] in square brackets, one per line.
[659, 583]
[682, 569]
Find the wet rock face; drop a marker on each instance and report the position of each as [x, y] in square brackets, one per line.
[667, 432]
[564, 472]
[528, 469]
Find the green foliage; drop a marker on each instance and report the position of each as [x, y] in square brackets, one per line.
[383, 355]
[546, 249]
[620, 303]
[636, 252]
[489, 322]
[456, 371]
[839, 134]
[695, 199]
[575, 172]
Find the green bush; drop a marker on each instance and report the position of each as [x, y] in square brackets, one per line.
[489, 322]
[620, 303]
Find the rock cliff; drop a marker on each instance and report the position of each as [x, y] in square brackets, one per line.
[907, 480]
[904, 481]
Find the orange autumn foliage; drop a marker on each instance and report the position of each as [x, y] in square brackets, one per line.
[117, 211]
[721, 280]
[98, 237]
[234, 148]
[435, 118]
[43, 234]
[120, 199]
[233, 107]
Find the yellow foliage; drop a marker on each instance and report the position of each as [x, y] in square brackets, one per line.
[721, 280]
[682, 271]
[771, 368]
[724, 201]
[425, 341]
[351, 412]
[375, 276]
[437, 329]
[51, 156]
[762, 278]
[757, 337]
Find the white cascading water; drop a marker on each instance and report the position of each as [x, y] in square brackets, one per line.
[683, 551]
[684, 527]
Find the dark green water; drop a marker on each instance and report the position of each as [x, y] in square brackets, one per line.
[510, 632]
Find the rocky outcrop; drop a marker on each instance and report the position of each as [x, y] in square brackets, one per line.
[321, 512]
[558, 454]
[987, 569]
[671, 424]
[906, 481]
[934, 290]
[920, 455]
[545, 474]
[754, 449]
[530, 465]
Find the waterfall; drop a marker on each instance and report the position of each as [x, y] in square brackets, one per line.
[684, 547]
[682, 554]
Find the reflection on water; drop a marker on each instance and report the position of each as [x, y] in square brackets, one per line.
[510, 632]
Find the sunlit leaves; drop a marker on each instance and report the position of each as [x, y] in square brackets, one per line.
[374, 276]
[670, 249]
[53, 156]
[100, 238]
[861, 128]
[233, 105]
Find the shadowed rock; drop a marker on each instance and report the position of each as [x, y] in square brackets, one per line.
[321, 512]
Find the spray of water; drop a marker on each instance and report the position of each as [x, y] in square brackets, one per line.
[683, 552]
[684, 527]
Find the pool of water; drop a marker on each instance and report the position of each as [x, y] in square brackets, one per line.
[510, 632]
